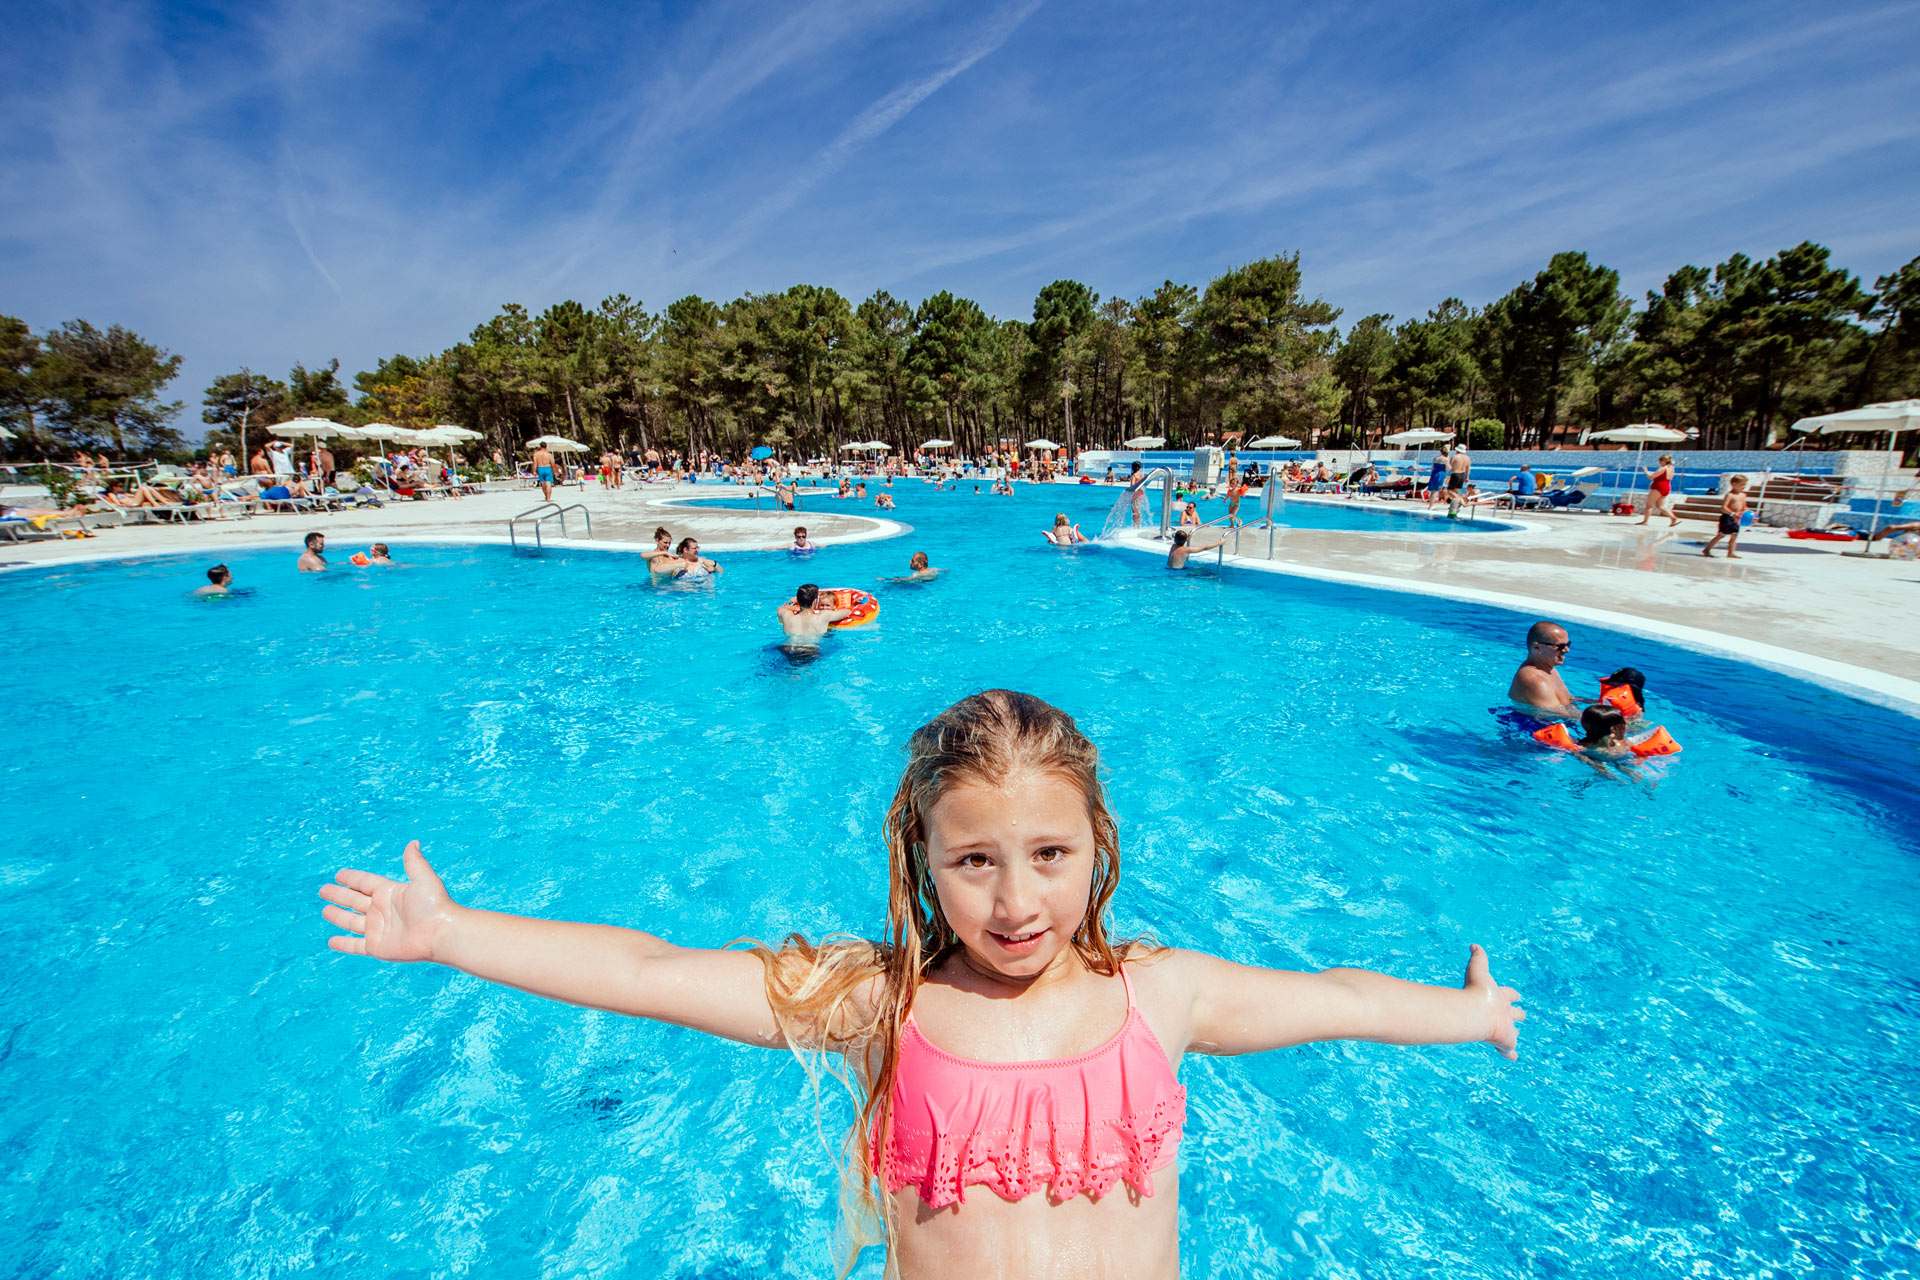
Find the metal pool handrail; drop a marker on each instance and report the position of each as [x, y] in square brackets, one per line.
[540, 515]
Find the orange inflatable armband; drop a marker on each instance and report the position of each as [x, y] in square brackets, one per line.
[1620, 698]
[1657, 743]
[359, 557]
[1556, 735]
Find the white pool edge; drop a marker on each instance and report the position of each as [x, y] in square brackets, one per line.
[1892, 692]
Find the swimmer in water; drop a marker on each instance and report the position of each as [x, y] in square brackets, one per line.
[378, 554]
[884, 502]
[688, 565]
[918, 570]
[801, 546]
[1064, 532]
[314, 559]
[1537, 683]
[1604, 730]
[219, 582]
[802, 622]
[1184, 546]
[660, 557]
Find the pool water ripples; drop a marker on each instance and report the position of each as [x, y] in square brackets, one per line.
[1715, 948]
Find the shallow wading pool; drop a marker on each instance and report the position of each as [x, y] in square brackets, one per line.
[1717, 1075]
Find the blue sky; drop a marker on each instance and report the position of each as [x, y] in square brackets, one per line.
[267, 183]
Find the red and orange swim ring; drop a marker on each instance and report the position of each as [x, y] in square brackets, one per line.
[865, 607]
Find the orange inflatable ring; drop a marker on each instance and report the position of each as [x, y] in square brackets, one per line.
[865, 607]
[1620, 698]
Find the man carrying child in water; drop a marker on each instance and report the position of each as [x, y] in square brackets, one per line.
[802, 623]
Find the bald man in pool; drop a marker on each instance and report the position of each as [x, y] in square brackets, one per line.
[1537, 683]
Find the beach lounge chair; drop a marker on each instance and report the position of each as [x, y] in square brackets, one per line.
[1563, 499]
[15, 526]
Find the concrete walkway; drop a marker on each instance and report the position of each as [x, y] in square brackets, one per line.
[623, 519]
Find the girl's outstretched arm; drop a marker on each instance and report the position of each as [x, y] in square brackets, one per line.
[1240, 1009]
[600, 966]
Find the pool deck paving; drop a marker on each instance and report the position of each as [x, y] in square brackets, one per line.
[1847, 620]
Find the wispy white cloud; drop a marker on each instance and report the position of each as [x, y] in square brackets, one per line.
[306, 182]
[879, 117]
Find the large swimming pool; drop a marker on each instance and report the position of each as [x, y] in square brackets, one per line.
[1717, 1077]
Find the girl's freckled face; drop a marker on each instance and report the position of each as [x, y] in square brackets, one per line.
[1012, 864]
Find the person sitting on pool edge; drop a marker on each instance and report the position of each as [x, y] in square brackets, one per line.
[988, 998]
[219, 582]
[801, 621]
[1537, 683]
[688, 565]
[314, 559]
[1184, 546]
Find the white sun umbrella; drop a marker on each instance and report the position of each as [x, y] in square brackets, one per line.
[1892, 417]
[313, 428]
[559, 444]
[1041, 443]
[876, 446]
[853, 447]
[1145, 442]
[936, 444]
[1637, 433]
[457, 433]
[1419, 435]
[1275, 442]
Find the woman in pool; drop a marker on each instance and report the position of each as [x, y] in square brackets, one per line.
[998, 1038]
[660, 557]
[1064, 532]
[1190, 515]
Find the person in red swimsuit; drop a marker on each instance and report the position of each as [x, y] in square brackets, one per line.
[1659, 492]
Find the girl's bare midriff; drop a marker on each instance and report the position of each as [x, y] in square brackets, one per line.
[1123, 1234]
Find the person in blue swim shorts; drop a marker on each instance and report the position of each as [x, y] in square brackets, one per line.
[543, 472]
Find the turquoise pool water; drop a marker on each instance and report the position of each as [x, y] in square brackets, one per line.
[1717, 1076]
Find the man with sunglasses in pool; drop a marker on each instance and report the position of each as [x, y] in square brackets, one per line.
[1537, 683]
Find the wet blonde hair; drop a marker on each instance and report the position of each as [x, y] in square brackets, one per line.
[849, 996]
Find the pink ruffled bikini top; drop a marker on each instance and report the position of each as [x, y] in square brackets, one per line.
[1070, 1125]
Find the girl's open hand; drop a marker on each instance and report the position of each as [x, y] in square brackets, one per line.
[390, 919]
[1503, 1011]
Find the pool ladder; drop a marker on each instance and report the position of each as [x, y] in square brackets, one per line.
[538, 516]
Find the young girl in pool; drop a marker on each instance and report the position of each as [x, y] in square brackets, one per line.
[1015, 1065]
